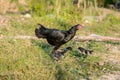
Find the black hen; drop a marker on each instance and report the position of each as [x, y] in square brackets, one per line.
[56, 37]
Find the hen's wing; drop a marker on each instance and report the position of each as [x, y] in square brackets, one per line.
[56, 37]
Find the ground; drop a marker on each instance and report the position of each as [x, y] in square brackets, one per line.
[30, 59]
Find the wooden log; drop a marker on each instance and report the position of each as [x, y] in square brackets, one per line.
[96, 38]
[77, 38]
[18, 37]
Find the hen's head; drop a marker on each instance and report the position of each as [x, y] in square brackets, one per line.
[78, 26]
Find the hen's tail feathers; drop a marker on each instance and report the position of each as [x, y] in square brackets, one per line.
[41, 26]
[39, 31]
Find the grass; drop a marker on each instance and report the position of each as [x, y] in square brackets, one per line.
[32, 60]
[108, 27]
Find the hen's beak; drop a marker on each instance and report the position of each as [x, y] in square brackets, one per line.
[80, 27]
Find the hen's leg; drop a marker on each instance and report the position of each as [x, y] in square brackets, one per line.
[58, 54]
[55, 49]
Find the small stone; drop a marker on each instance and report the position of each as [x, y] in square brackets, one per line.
[101, 63]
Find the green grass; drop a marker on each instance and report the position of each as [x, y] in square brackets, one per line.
[32, 59]
[110, 26]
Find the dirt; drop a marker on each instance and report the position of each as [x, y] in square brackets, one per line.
[12, 7]
[113, 58]
[111, 76]
[4, 20]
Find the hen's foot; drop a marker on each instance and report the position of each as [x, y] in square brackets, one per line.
[57, 54]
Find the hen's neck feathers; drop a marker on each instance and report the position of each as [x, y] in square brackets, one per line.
[72, 30]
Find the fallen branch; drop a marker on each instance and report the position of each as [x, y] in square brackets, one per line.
[96, 38]
[18, 37]
[77, 38]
